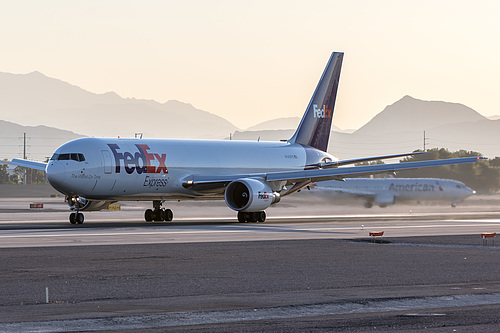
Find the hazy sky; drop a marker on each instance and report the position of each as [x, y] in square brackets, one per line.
[251, 61]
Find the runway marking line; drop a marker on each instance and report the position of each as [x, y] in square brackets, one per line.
[122, 233]
[268, 219]
[406, 227]
[165, 230]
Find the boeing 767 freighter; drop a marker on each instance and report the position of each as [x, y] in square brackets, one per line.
[250, 176]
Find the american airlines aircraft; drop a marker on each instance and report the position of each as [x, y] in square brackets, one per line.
[389, 191]
[250, 176]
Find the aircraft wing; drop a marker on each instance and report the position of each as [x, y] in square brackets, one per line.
[29, 164]
[344, 172]
[302, 178]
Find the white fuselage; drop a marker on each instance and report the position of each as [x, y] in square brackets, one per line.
[386, 191]
[155, 169]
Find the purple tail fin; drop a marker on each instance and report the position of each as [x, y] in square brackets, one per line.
[315, 126]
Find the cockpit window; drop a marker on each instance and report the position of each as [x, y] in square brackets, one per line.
[78, 157]
[460, 186]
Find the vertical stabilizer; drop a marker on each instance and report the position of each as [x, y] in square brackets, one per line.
[315, 126]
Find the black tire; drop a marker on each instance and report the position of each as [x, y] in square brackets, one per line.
[158, 215]
[148, 215]
[261, 217]
[241, 217]
[168, 215]
[163, 215]
[79, 218]
[72, 218]
[252, 217]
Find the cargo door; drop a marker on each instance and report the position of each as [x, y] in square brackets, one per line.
[106, 160]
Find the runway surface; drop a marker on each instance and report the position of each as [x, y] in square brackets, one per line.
[299, 271]
[53, 233]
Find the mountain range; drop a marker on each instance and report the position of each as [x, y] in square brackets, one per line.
[33, 99]
[407, 125]
[39, 143]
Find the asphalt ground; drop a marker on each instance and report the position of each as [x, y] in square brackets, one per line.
[289, 286]
[449, 282]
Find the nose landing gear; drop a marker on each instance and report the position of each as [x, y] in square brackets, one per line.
[76, 203]
[158, 214]
[76, 218]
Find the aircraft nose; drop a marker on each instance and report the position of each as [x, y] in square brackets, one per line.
[56, 175]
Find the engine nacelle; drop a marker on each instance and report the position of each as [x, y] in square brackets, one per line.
[385, 199]
[83, 204]
[250, 195]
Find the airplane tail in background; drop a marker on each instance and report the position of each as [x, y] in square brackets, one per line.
[315, 126]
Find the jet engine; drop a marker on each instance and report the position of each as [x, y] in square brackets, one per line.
[80, 203]
[249, 195]
[385, 199]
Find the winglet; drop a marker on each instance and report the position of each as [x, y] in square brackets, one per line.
[315, 126]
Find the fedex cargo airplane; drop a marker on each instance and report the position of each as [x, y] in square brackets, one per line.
[389, 191]
[249, 176]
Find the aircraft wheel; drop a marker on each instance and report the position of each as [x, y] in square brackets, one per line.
[79, 218]
[252, 217]
[241, 217]
[72, 219]
[261, 216]
[368, 204]
[157, 215]
[168, 215]
[148, 215]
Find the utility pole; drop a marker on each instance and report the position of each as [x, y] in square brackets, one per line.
[424, 141]
[24, 157]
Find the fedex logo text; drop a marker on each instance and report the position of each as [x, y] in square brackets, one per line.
[263, 195]
[141, 161]
[322, 113]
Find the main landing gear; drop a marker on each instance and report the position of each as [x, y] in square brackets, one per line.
[244, 217]
[158, 214]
